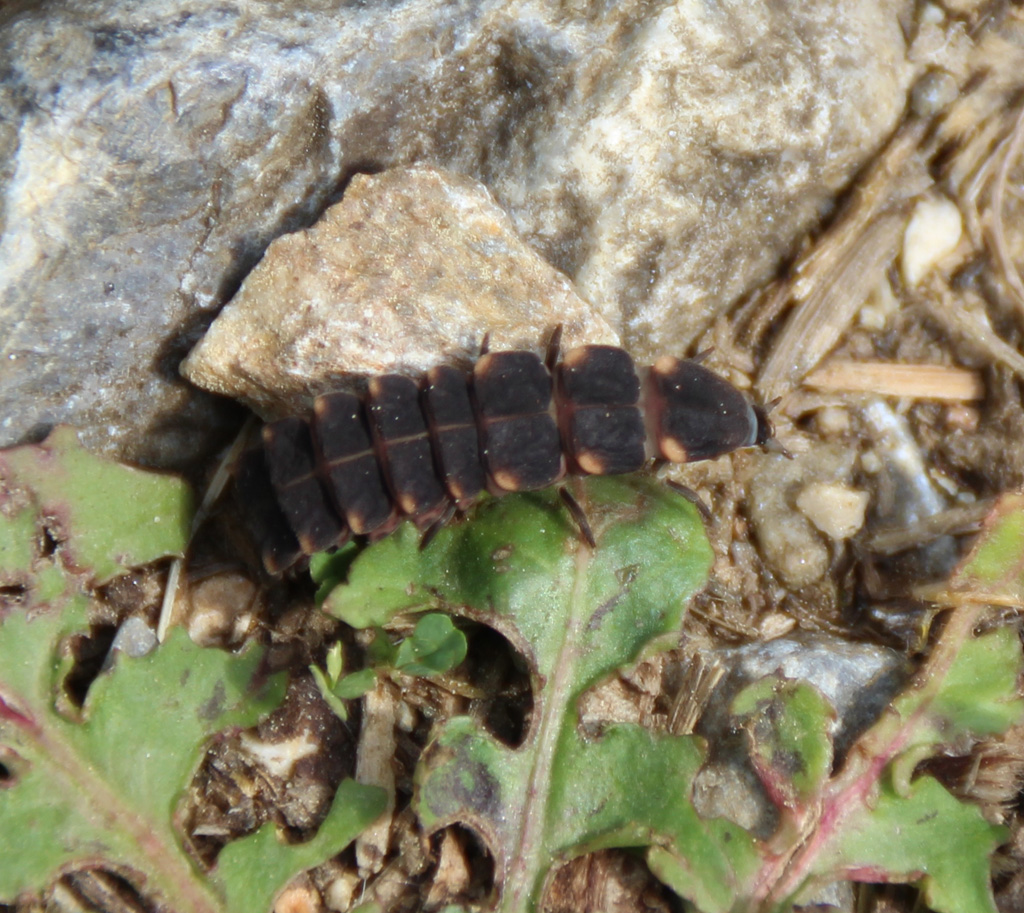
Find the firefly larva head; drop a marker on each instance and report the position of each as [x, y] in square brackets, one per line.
[699, 415]
[765, 428]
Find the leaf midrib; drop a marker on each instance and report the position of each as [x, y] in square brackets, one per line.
[524, 870]
[161, 857]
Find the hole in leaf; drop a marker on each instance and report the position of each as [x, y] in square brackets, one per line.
[497, 669]
[13, 595]
[139, 592]
[234, 791]
[99, 889]
[608, 879]
[89, 653]
[48, 542]
[885, 897]
[9, 766]
[464, 873]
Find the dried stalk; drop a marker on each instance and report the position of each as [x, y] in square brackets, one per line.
[886, 379]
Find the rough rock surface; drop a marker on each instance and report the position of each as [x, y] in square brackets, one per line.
[665, 157]
[411, 269]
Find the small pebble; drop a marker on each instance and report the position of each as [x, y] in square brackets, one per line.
[879, 308]
[775, 624]
[134, 638]
[341, 892]
[832, 421]
[933, 92]
[933, 232]
[870, 462]
[837, 510]
[221, 610]
[297, 899]
[962, 417]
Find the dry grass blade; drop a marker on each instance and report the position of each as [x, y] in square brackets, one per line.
[957, 520]
[220, 480]
[964, 315]
[886, 379]
[1011, 274]
[699, 681]
[847, 263]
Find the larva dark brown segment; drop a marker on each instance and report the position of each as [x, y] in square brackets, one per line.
[599, 411]
[519, 441]
[422, 450]
[697, 415]
[400, 429]
[453, 430]
[267, 524]
[302, 497]
[349, 463]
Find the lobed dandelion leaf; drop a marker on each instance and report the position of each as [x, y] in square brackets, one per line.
[576, 615]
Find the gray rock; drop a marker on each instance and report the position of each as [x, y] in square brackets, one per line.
[664, 157]
[858, 680]
[413, 268]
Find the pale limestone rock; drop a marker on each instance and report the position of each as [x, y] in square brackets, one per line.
[412, 268]
[690, 161]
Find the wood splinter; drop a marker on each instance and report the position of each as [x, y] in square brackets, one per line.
[940, 382]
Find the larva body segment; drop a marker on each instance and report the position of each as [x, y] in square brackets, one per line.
[422, 450]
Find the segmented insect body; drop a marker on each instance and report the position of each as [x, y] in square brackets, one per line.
[424, 450]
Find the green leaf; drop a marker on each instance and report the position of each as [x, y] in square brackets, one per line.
[108, 786]
[330, 570]
[788, 726]
[378, 584]
[326, 689]
[576, 615]
[103, 788]
[993, 572]
[106, 517]
[18, 535]
[350, 687]
[252, 870]
[925, 836]
[874, 823]
[967, 689]
[335, 662]
[435, 647]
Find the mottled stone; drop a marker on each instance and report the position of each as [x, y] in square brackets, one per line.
[412, 268]
[791, 544]
[666, 158]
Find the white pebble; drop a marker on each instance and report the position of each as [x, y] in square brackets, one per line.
[832, 420]
[837, 510]
[933, 231]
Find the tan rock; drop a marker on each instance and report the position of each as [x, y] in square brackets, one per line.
[412, 268]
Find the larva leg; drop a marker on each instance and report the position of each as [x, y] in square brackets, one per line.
[691, 496]
[554, 349]
[578, 514]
